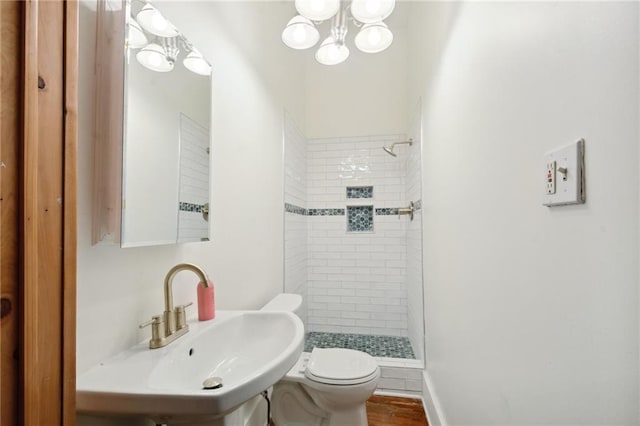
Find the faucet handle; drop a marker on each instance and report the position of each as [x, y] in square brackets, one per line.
[154, 320]
[181, 317]
[157, 331]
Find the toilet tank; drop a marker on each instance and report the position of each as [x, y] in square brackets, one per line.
[284, 302]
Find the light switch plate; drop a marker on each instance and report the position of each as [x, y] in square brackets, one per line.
[569, 175]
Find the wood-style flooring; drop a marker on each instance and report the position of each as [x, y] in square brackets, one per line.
[393, 411]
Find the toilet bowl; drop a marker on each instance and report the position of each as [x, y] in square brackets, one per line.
[327, 387]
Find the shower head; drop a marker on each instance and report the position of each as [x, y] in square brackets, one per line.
[389, 149]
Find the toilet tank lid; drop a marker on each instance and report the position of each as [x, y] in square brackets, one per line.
[284, 302]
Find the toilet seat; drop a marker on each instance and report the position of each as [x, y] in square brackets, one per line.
[336, 366]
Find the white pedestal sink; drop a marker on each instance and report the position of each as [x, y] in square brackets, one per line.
[249, 350]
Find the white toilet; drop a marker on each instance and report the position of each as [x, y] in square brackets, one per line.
[328, 387]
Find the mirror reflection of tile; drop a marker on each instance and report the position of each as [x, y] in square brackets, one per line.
[194, 180]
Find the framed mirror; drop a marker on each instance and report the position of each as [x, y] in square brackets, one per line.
[164, 139]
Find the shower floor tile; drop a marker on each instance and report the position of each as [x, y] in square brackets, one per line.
[379, 346]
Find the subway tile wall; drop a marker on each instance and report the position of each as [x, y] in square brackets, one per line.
[295, 221]
[356, 280]
[400, 377]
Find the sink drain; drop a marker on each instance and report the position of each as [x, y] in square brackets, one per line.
[212, 383]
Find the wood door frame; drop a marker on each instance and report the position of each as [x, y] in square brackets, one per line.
[10, 171]
[45, 315]
[70, 224]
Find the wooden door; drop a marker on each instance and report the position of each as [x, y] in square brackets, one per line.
[38, 212]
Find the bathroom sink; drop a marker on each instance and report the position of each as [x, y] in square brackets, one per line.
[249, 350]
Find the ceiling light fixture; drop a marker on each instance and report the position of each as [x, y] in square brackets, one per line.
[374, 36]
[372, 11]
[194, 62]
[166, 43]
[153, 21]
[154, 57]
[317, 10]
[137, 38]
[300, 33]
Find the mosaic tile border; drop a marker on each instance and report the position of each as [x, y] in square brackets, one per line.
[190, 207]
[374, 345]
[387, 211]
[325, 212]
[292, 208]
[359, 192]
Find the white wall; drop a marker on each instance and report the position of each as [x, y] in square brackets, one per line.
[365, 95]
[531, 312]
[120, 288]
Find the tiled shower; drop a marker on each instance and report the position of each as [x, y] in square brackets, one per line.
[354, 259]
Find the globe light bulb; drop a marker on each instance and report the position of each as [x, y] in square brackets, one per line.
[152, 20]
[317, 10]
[135, 37]
[158, 22]
[155, 59]
[317, 5]
[372, 11]
[374, 37]
[300, 33]
[373, 6]
[194, 62]
[332, 52]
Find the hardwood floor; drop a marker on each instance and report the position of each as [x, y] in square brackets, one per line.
[393, 411]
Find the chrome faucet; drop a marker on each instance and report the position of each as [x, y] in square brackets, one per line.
[173, 324]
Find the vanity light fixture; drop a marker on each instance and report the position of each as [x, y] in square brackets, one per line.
[374, 36]
[166, 43]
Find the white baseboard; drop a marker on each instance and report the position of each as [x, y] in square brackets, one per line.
[432, 406]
